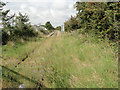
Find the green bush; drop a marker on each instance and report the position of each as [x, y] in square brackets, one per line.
[49, 26]
[18, 27]
[5, 37]
[100, 18]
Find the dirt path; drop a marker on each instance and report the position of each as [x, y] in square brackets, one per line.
[26, 57]
[35, 64]
[31, 60]
[54, 33]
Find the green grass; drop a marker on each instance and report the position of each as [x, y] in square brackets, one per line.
[17, 50]
[71, 60]
[12, 53]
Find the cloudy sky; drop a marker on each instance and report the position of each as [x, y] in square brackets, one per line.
[40, 11]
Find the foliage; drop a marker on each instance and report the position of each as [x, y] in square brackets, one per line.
[99, 18]
[58, 28]
[71, 24]
[5, 37]
[49, 26]
[22, 27]
[69, 61]
[15, 27]
[1, 6]
[46, 32]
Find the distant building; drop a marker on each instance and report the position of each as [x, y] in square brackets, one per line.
[38, 27]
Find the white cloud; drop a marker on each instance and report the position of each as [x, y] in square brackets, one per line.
[33, 9]
[59, 4]
[41, 11]
[23, 6]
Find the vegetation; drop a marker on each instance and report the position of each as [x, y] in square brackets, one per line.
[58, 28]
[70, 60]
[59, 64]
[16, 27]
[49, 26]
[71, 24]
[99, 18]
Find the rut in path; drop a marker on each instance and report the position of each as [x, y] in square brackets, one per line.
[11, 77]
[38, 84]
[57, 33]
[26, 57]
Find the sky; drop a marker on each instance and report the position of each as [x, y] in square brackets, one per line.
[41, 11]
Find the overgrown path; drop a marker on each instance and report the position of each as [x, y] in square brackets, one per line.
[16, 75]
[55, 33]
[68, 60]
[27, 56]
[23, 59]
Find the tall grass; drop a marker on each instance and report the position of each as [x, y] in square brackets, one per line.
[72, 60]
[12, 53]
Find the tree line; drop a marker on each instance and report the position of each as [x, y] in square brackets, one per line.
[99, 18]
[15, 27]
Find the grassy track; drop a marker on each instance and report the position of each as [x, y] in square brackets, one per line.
[65, 61]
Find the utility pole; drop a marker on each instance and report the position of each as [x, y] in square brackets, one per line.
[62, 28]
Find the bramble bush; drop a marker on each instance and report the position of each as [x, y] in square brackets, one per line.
[99, 18]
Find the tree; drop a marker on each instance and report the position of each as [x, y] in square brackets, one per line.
[22, 27]
[100, 18]
[58, 28]
[71, 24]
[49, 26]
[3, 34]
[1, 5]
[16, 27]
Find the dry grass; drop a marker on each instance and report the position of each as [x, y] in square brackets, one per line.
[71, 61]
